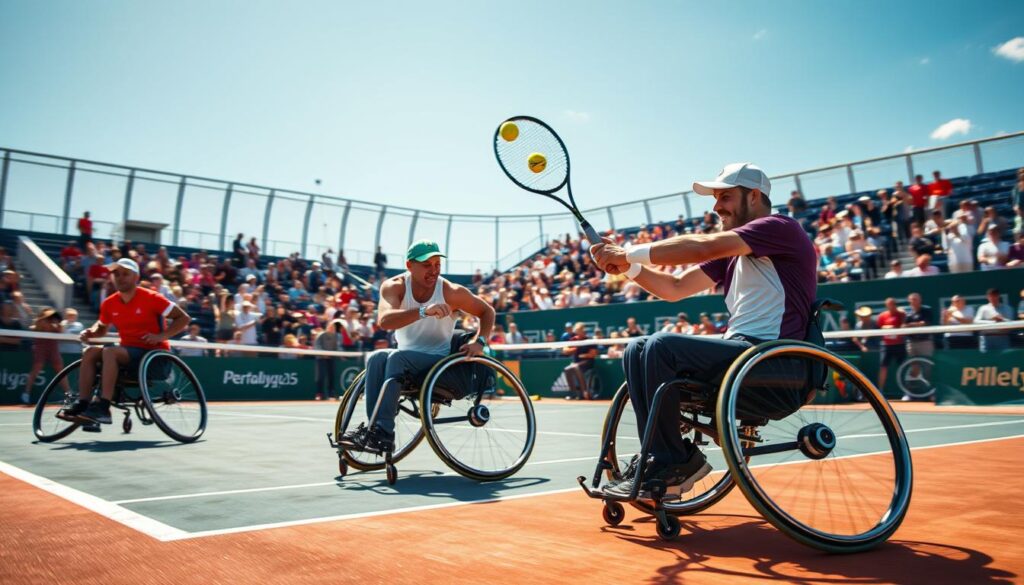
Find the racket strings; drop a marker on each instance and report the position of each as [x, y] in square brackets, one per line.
[533, 138]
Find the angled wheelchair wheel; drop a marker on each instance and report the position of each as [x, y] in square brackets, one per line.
[621, 422]
[352, 413]
[485, 431]
[173, 396]
[61, 392]
[837, 477]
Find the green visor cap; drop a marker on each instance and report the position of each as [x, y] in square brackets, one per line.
[423, 250]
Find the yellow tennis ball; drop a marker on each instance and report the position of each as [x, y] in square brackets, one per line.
[537, 162]
[509, 131]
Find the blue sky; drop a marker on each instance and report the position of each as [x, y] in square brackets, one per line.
[396, 102]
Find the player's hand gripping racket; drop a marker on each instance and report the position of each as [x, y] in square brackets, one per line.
[535, 158]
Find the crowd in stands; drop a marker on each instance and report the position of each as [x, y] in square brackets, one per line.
[858, 241]
[245, 299]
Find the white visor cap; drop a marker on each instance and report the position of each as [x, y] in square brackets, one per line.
[742, 174]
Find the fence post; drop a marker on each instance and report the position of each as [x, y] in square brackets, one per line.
[910, 169]
[305, 227]
[380, 226]
[497, 237]
[977, 158]
[3, 184]
[67, 198]
[849, 176]
[412, 226]
[177, 209]
[266, 221]
[224, 216]
[447, 244]
[344, 223]
[611, 218]
[127, 202]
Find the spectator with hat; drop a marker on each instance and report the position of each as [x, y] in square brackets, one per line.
[865, 323]
[246, 321]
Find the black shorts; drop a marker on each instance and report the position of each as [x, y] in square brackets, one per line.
[158, 369]
[892, 353]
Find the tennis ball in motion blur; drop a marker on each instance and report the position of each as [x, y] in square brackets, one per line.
[509, 131]
[537, 162]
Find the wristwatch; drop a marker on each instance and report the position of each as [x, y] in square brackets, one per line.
[423, 312]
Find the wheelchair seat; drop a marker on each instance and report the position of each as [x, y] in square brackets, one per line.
[781, 385]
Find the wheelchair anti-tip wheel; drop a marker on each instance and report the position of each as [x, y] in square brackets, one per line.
[834, 477]
[173, 396]
[478, 432]
[352, 413]
[613, 513]
[621, 422]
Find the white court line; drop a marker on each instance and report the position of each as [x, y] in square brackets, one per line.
[165, 533]
[530, 463]
[306, 485]
[143, 524]
[269, 526]
[945, 428]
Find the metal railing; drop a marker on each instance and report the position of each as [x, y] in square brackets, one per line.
[44, 192]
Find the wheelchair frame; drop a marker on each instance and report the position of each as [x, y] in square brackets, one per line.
[144, 404]
[740, 441]
[426, 401]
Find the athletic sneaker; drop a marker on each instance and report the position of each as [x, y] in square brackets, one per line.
[679, 478]
[629, 472]
[91, 427]
[356, 437]
[380, 441]
[70, 413]
[98, 412]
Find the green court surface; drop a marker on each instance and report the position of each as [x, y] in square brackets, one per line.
[264, 465]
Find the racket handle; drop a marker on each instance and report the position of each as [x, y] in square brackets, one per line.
[590, 232]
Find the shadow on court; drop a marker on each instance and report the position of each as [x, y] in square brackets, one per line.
[112, 446]
[772, 555]
[436, 484]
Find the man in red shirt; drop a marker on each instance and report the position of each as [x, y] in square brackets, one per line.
[938, 191]
[139, 316]
[919, 198]
[84, 229]
[893, 349]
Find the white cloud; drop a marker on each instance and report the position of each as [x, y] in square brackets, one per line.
[1012, 49]
[760, 34]
[954, 126]
[580, 117]
[925, 61]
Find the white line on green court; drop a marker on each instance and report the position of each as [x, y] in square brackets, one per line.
[256, 527]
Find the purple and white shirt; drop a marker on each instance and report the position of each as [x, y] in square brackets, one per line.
[769, 292]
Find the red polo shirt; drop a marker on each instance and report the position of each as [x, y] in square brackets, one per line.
[143, 314]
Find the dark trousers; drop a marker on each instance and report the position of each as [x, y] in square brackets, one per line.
[326, 379]
[655, 359]
[575, 377]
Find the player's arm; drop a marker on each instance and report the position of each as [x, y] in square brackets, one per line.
[98, 329]
[672, 288]
[389, 315]
[461, 299]
[177, 319]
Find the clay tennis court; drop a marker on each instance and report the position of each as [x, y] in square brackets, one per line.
[258, 500]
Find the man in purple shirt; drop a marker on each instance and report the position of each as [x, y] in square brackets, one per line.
[766, 265]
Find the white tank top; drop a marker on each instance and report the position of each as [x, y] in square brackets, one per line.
[429, 335]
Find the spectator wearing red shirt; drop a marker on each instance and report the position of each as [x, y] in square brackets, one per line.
[139, 316]
[828, 212]
[894, 351]
[919, 198]
[70, 256]
[938, 191]
[95, 277]
[84, 229]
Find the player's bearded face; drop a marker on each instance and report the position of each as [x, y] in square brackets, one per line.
[733, 207]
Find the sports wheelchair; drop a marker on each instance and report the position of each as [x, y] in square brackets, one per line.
[474, 412]
[834, 477]
[163, 391]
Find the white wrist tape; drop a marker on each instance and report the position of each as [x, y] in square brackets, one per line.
[639, 254]
[634, 271]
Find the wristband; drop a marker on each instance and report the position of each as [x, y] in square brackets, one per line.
[634, 271]
[639, 254]
[423, 312]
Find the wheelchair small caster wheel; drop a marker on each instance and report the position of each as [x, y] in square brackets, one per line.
[126, 426]
[613, 513]
[342, 466]
[669, 529]
[392, 474]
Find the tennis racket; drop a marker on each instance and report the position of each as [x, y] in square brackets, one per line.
[534, 157]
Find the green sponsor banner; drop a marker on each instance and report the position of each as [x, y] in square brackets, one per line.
[977, 378]
[651, 316]
[222, 378]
